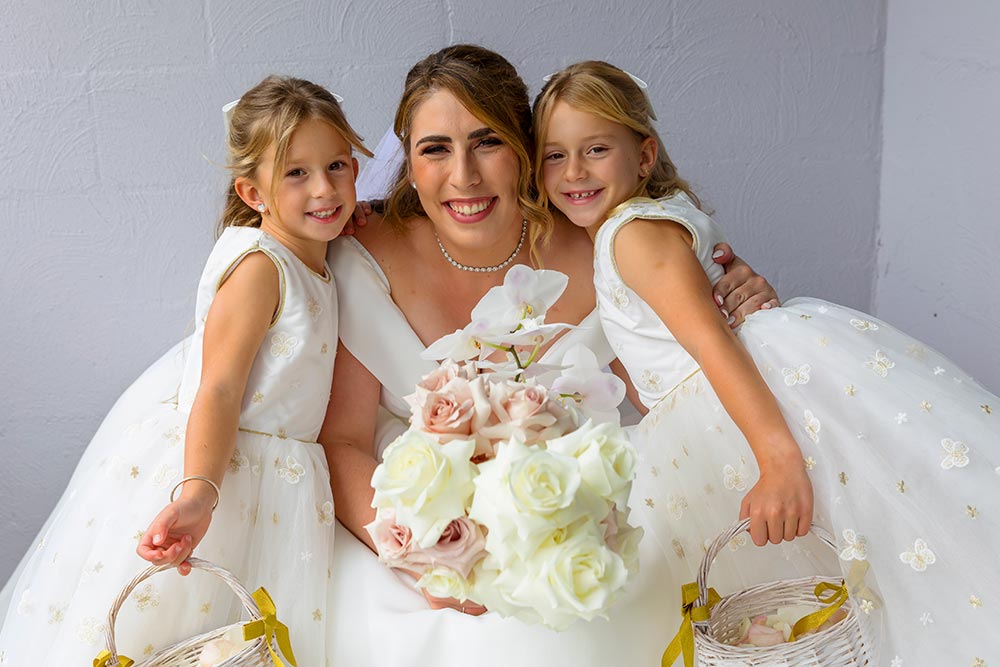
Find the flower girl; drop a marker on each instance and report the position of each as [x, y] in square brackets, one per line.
[233, 445]
[811, 412]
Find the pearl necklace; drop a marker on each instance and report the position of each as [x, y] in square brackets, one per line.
[485, 269]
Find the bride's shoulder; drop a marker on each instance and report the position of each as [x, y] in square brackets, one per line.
[569, 248]
[383, 241]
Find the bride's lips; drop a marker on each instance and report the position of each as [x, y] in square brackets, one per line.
[581, 197]
[470, 210]
[325, 216]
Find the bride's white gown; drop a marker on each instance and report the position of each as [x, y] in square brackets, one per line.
[378, 618]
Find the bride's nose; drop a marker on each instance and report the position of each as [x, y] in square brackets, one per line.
[465, 170]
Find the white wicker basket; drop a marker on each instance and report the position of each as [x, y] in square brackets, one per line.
[186, 653]
[847, 643]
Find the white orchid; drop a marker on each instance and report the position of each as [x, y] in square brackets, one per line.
[463, 344]
[588, 387]
[525, 294]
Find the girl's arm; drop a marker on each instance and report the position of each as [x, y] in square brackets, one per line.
[237, 322]
[348, 438]
[655, 259]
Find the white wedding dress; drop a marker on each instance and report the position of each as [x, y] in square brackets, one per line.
[274, 523]
[378, 618]
[902, 447]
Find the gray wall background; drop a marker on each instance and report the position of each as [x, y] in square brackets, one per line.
[111, 137]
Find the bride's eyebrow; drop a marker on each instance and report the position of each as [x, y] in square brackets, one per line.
[434, 139]
[480, 133]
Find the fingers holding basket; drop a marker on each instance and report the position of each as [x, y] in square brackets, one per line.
[174, 533]
[778, 509]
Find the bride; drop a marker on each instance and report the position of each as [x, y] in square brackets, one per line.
[459, 214]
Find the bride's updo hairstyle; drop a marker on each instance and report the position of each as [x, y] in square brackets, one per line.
[602, 89]
[491, 89]
[268, 114]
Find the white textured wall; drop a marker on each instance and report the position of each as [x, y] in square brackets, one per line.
[108, 111]
[939, 240]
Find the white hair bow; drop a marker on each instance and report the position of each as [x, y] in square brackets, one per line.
[639, 82]
[227, 109]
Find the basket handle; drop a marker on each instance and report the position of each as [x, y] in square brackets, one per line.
[196, 563]
[723, 539]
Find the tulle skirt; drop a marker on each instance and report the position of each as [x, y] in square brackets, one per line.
[902, 449]
[272, 528]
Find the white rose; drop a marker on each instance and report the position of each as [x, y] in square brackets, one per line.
[444, 582]
[428, 484]
[573, 575]
[524, 494]
[581, 576]
[607, 459]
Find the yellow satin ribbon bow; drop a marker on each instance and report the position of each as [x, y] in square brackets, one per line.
[683, 641]
[103, 659]
[829, 594]
[269, 627]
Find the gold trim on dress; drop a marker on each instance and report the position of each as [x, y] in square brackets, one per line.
[684, 222]
[273, 435]
[257, 247]
[677, 386]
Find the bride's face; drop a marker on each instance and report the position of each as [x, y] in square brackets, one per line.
[465, 175]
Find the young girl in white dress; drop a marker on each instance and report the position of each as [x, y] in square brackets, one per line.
[235, 439]
[811, 412]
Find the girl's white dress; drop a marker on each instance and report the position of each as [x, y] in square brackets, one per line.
[902, 448]
[273, 526]
[378, 618]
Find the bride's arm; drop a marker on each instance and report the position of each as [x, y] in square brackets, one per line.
[348, 438]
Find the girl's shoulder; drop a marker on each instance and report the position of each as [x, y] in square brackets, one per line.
[677, 208]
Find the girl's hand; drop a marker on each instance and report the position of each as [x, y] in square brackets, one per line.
[175, 532]
[358, 219]
[468, 607]
[779, 506]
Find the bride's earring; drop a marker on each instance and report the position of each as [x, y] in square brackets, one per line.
[261, 207]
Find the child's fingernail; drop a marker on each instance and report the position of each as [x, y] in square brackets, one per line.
[157, 538]
[725, 313]
[766, 306]
[717, 254]
[718, 299]
[731, 320]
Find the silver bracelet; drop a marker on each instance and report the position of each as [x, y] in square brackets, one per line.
[218, 492]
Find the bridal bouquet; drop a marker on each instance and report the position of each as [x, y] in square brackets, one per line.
[503, 490]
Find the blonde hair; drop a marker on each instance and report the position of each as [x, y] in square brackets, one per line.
[602, 89]
[490, 88]
[266, 115]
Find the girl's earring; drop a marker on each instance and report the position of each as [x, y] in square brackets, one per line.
[413, 184]
[261, 207]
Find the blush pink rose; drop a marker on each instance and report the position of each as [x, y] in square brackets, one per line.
[524, 411]
[461, 546]
[439, 378]
[456, 411]
[394, 542]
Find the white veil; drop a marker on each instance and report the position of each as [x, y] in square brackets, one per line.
[379, 173]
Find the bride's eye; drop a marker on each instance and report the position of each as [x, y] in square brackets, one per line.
[434, 149]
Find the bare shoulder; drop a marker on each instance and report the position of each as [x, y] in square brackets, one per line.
[569, 249]
[386, 243]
